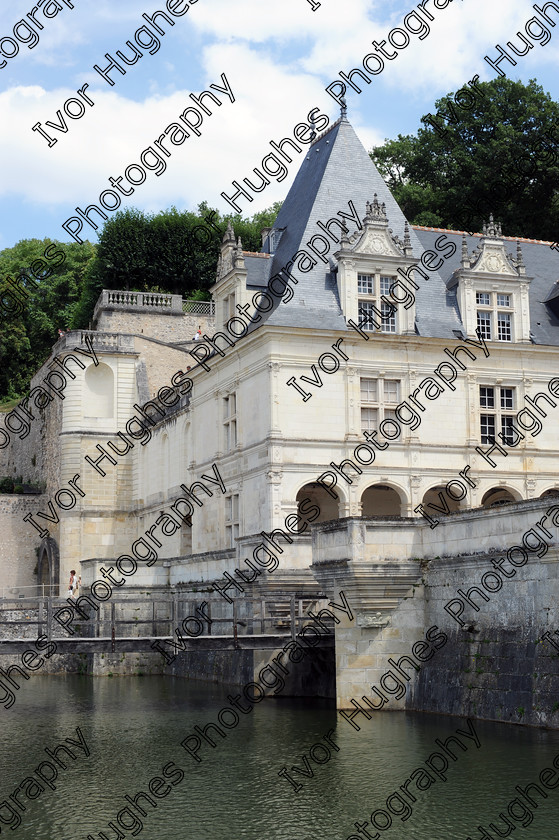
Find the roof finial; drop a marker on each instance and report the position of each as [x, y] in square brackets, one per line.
[465, 259]
[312, 127]
[521, 268]
[343, 104]
[407, 240]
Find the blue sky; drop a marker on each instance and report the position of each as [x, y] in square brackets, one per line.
[278, 59]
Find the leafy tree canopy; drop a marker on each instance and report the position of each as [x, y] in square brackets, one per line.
[47, 279]
[173, 252]
[499, 156]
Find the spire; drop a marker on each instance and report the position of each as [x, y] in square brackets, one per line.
[520, 267]
[465, 258]
[229, 235]
[343, 104]
[312, 127]
[408, 250]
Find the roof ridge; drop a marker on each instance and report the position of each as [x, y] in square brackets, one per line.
[510, 238]
[326, 131]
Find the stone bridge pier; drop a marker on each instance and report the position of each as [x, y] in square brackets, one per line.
[472, 605]
[372, 562]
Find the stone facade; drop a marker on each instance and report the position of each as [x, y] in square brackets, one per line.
[284, 400]
[402, 574]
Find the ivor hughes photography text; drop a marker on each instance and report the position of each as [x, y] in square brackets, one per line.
[279, 404]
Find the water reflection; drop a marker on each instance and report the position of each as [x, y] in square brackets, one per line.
[133, 727]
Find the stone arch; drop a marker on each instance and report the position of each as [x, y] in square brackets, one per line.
[497, 496]
[431, 496]
[315, 492]
[551, 491]
[48, 567]
[382, 500]
[99, 392]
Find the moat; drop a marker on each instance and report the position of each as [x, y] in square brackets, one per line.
[133, 727]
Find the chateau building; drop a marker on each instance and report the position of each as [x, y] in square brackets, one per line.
[356, 366]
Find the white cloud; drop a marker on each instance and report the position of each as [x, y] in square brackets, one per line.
[270, 100]
[277, 64]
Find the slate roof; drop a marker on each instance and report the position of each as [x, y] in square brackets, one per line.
[542, 263]
[337, 169]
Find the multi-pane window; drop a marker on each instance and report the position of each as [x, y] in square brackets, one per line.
[232, 519]
[488, 317]
[365, 284]
[369, 310]
[230, 421]
[388, 317]
[381, 316]
[385, 284]
[377, 398]
[504, 332]
[484, 324]
[499, 404]
[487, 428]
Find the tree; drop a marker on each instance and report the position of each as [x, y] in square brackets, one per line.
[499, 154]
[173, 252]
[49, 279]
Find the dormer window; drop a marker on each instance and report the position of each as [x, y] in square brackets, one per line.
[371, 263]
[492, 289]
[491, 314]
[380, 316]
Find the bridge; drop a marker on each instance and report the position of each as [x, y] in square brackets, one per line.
[172, 621]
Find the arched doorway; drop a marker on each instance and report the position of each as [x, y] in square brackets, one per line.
[432, 497]
[315, 494]
[553, 491]
[48, 567]
[381, 500]
[497, 496]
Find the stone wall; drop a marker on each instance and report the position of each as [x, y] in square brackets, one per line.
[169, 327]
[496, 666]
[313, 677]
[489, 662]
[18, 556]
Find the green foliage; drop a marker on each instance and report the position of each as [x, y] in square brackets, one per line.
[500, 157]
[136, 251]
[173, 252]
[6, 484]
[50, 289]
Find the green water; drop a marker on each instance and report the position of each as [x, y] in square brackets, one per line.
[133, 727]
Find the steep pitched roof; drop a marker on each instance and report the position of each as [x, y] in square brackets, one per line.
[337, 169]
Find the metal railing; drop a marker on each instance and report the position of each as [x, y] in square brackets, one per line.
[282, 614]
[41, 590]
[199, 307]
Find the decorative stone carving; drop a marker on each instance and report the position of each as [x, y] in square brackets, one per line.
[375, 620]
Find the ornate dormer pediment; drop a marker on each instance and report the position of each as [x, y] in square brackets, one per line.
[490, 256]
[230, 285]
[377, 238]
[492, 288]
[371, 263]
[229, 253]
